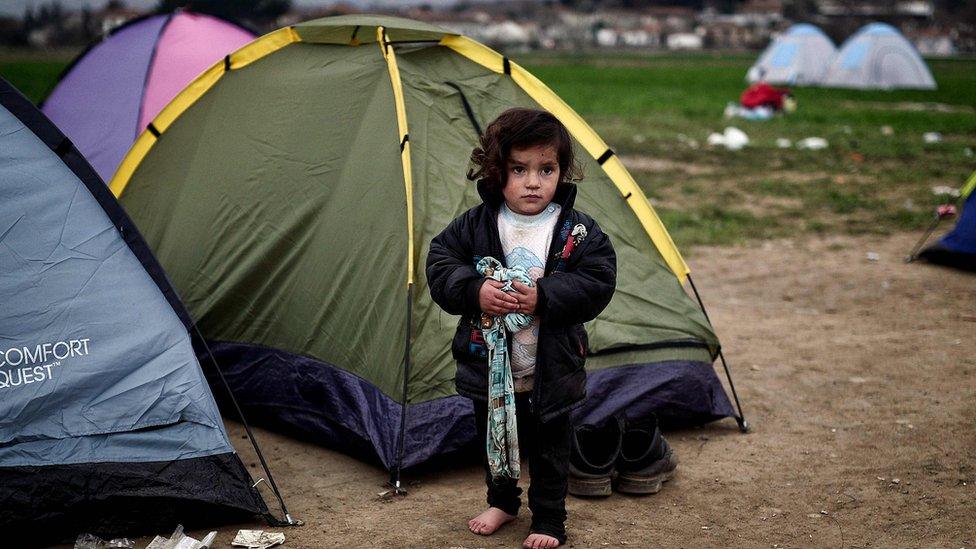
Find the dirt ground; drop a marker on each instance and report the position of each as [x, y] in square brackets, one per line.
[856, 375]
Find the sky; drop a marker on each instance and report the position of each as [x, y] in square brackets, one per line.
[16, 8]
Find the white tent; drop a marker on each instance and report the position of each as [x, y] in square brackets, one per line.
[797, 57]
[878, 57]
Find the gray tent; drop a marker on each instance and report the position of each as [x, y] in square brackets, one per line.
[878, 57]
[107, 424]
[798, 57]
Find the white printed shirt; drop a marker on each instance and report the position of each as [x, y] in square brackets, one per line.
[525, 242]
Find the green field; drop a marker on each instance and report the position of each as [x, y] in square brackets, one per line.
[864, 182]
[656, 112]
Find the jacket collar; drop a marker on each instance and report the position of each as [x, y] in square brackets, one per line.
[565, 196]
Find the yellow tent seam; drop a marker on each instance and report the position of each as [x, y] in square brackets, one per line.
[404, 133]
[244, 56]
[968, 187]
[586, 137]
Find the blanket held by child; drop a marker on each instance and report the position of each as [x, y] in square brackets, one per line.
[502, 443]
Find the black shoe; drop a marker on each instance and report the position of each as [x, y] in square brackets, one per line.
[595, 450]
[645, 461]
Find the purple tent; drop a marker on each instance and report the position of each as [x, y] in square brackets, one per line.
[111, 93]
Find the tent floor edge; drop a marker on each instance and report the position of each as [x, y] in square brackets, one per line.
[124, 499]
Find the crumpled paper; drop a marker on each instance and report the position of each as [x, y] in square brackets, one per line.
[257, 539]
[91, 541]
[181, 541]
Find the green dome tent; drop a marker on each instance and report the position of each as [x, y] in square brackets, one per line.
[292, 191]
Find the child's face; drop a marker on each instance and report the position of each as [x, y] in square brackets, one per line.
[531, 178]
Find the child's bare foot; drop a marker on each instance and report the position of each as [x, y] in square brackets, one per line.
[487, 522]
[540, 541]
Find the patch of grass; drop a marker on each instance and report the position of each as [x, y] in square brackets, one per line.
[868, 180]
[909, 220]
[843, 202]
[33, 78]
[816, 226]
[773, 187]
[713, 224]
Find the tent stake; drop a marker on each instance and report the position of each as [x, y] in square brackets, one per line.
[395, 484]
[741, 418]
[289, 521]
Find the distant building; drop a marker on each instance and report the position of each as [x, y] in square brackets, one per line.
[749, 30]
[765, 7]
[932, 41]
[923, 9]
[639, 38]
[112, 17]
[554, 24]
[492, 30]
[685, 41]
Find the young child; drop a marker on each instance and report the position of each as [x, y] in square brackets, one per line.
[525, 173]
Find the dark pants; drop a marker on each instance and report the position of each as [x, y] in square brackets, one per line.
[547, 447]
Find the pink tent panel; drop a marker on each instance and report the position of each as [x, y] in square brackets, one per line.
[186, 48]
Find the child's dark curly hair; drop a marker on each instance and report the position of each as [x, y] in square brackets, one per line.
[521, 128]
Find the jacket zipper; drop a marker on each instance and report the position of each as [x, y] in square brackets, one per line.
[550, 266]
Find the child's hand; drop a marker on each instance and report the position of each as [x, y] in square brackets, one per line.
[494, 301]
[527, 297]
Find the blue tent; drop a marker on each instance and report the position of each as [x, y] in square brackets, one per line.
[798, 57]
[958, 247]
[107, 424]
[878, 57]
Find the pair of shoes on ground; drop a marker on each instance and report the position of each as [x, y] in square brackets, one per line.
[629, 457]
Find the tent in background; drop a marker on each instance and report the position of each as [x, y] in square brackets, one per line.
[958, 247]
[878, 57]
[798, 57]
[107, 424]
[293, 209]
[108, 94]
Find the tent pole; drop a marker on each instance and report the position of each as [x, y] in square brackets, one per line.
[938, 219]
[395, 482]
[741, 418]
[289, 521]
[921, 242]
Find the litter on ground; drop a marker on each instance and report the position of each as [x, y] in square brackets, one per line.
[761, 112]
[732, 139]
[932, 137]
[257, 539]
[91, 541]
[940, 190]
[692, 143]
[179, 540]
[812, 143]
[783, 143]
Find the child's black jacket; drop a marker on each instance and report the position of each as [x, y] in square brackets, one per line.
[567, 298]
